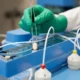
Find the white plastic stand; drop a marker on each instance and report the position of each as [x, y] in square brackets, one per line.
[74, 61]
[42, 74]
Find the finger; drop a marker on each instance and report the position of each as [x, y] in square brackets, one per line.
[23, 25]
[27, 17]
[44, 16]
[46, 26]
[38, 8]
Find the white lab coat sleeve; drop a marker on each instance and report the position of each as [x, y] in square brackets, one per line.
[73, 18]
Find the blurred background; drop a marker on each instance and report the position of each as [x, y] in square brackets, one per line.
[11, 10]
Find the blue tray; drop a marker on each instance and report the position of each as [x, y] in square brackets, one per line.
[63, 3]
[56, 56]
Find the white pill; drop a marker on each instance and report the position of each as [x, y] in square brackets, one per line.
[7, 57]
[35, 46]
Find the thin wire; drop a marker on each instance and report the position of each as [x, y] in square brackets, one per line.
[15, 43]
[32, 31]
[33, 13]
[77, 37]
[75, 43]
[32, 35]
[45, 45]
[35, 24]
[70, 41]
[27, 42]
[31, 4]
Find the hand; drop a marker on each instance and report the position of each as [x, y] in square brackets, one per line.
[44, 18]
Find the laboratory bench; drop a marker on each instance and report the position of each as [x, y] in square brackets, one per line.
[56, 55]
[66, 74]
[63, 74]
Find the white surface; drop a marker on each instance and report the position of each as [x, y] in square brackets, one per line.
[74, 61]
[42, 74]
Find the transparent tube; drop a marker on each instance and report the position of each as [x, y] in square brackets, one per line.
[45, 45]
[77, 37]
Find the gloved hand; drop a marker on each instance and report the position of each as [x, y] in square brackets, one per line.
[44, 19]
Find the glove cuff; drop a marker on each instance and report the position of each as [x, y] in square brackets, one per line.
[60, 23]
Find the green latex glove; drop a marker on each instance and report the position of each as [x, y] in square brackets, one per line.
[44, 19]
